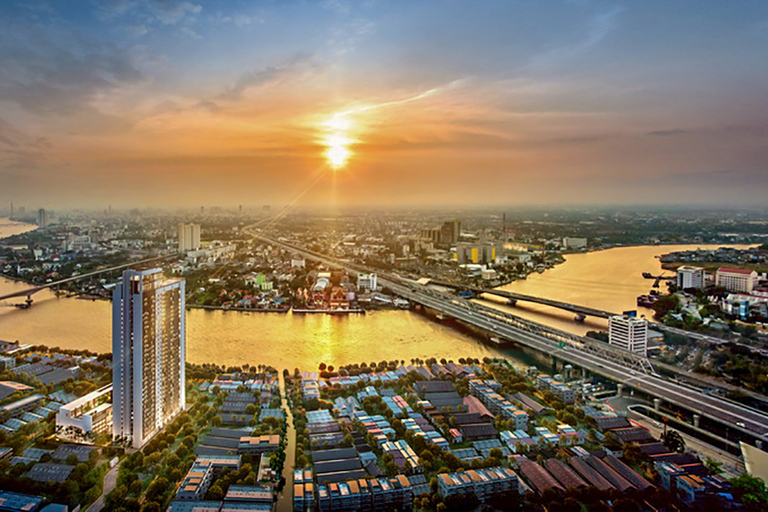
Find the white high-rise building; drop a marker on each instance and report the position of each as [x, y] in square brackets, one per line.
[628, 333]
[189, 237]
[690, 277]
[148, 354]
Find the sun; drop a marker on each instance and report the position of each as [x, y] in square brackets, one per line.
[337, 156]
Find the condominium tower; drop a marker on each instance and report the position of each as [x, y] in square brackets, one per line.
[628, 333]
[148, 354]
[189, 237]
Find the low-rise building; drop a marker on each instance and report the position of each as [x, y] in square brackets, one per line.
[482, 483]
[258, 444]
[87, 416]
[736, 279]
[196, 482]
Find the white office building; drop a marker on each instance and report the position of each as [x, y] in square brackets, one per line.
[570, 242]
[82, 419]
[736, 279]
[690, 277]
[628, 333]
[189, 237]
[148, 354]
[367, 282]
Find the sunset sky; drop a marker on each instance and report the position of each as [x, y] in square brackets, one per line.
[138, 103]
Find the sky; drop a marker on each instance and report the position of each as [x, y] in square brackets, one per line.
[163, 103]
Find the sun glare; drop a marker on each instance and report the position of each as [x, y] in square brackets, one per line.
[336, 141]
[337, 156]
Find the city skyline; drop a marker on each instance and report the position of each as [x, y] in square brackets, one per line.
[388, 104]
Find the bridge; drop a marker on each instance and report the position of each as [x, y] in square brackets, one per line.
[632, 370]
[514, 297]
[29, 292]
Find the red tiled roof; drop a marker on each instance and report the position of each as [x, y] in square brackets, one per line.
[735, 270]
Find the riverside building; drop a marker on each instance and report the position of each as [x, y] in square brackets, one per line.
[148, 354]
[628, 333]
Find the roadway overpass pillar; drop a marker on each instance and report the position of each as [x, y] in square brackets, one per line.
[657, 404]
[619, 389]
[696, 419]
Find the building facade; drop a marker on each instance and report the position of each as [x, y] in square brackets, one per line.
[367, 282]
[690, 277]
[628, 333]
[82, 419]
[736, 279]
[189, 237]
[148, 354]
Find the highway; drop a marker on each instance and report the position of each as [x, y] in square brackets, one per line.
[573, 308]
[755, 423]
[567, 347]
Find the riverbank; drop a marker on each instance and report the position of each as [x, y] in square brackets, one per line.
[9, 228]
[242, 310]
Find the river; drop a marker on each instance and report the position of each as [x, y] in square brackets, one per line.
[605, 279]
[609, 280]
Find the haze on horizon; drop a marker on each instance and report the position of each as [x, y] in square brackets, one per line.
[183, 103]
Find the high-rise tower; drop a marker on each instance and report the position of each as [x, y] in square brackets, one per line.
[189, 237]
[148, 354]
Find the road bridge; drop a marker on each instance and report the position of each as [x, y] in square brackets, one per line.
[629, 369]
[29, 292]
[513, 297]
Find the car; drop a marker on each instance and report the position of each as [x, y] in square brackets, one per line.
[740, 424]
[657, 424]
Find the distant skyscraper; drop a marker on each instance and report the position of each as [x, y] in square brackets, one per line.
[449, 233]
[42, 218]
[148, 354]
[189, 237]
[628, 333]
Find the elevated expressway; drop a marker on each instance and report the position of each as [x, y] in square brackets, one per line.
[629, 369]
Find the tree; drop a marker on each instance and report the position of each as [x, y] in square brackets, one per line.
[750, 491]
[714, 466]
[156, 488]
[632, 453]
[674, 441]
[215, 493]
[136, 487]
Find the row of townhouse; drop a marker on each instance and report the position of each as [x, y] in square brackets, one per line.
[496, 403]
[422, 428]
[200, 476]
[482, 483]
[404, 456]
[563, 392]
[366, 494]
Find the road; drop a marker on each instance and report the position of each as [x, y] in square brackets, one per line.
[110, 481]
[565, 346]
